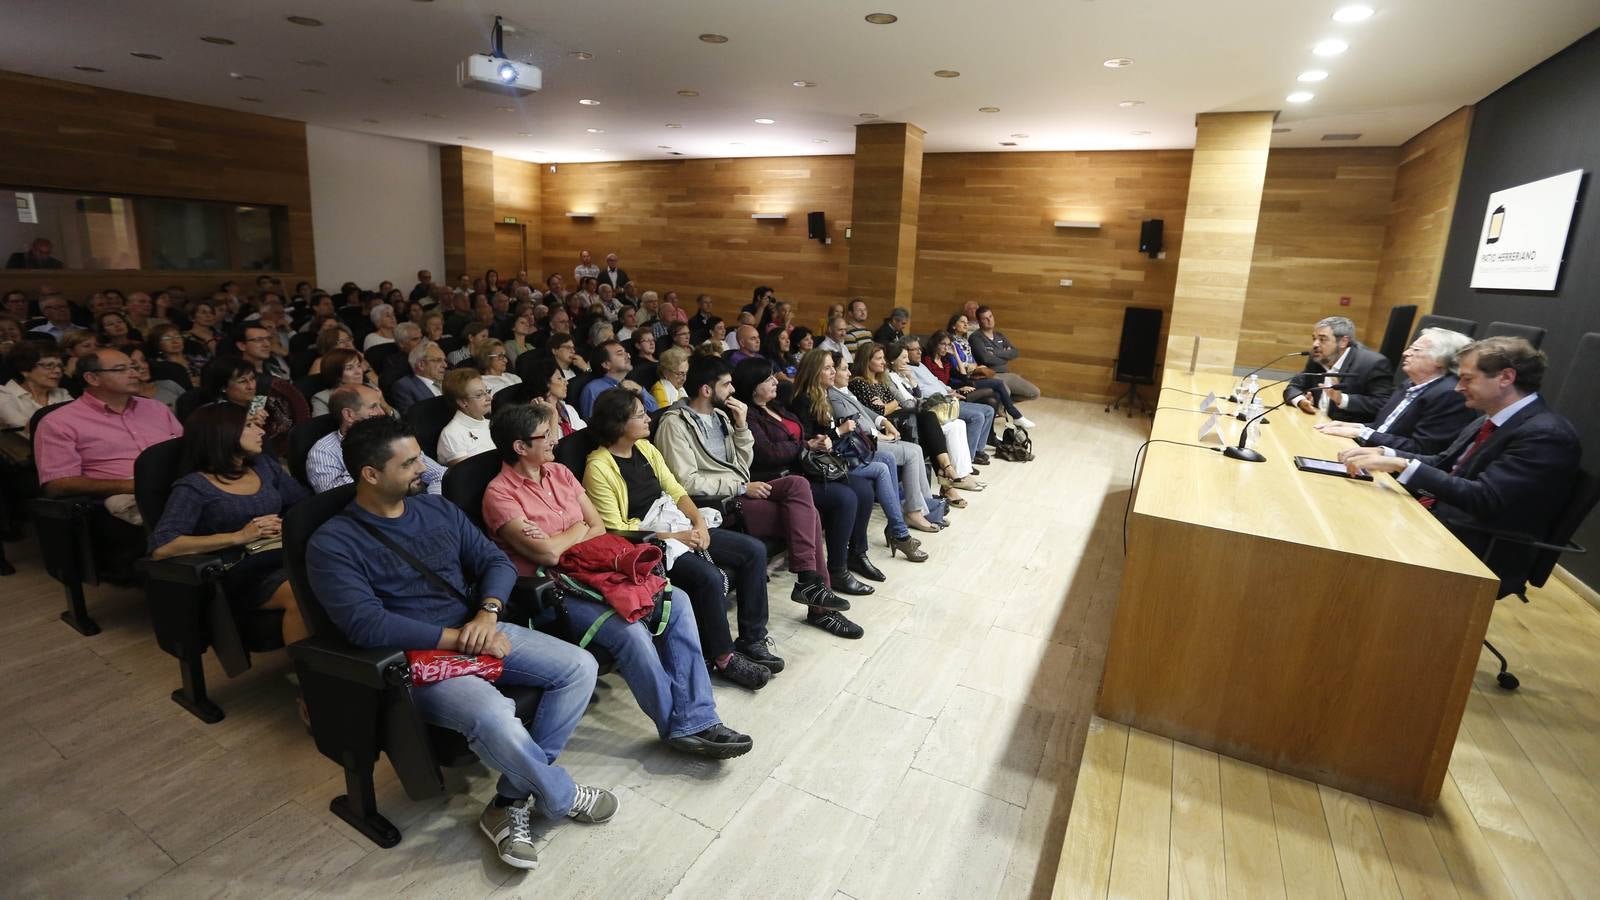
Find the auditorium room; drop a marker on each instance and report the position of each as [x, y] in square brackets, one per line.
[853, 451]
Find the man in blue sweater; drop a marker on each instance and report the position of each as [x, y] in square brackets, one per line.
[379, 600]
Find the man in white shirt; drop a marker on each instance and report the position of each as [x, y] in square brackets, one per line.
[325, 463]
[1367, 376]
[585, 268]
[1427, 413]
[57, 316]
[838, 338]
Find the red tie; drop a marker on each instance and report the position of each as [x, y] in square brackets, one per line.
[1483, 435]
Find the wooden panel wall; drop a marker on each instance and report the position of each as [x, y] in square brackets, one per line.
[1225, 181]
[467, 195]
[1419, 219]
[987, 234]
[1319, 238]
[884, 203]
[67, 136]
[685, 225]
[516, 193]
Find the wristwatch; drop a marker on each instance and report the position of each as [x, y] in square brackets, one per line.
[492, 606]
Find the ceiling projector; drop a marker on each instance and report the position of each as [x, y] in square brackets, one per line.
[487, 73]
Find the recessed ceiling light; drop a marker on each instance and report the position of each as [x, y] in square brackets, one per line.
[1352, 14]
[88, 69]
[305, 20]
[988, 109]
[1299, 96]
[312, 91]
[663, 146]
[1117, 62]
[598, 149]
[1330, 47]
[1138, 133]
[673, 125]
[1008, 143]
[462, 137]
[587, 102]
[240, 76]
[595, 130]
[1019, 135]
[867, 115]
[1312, 75]
[674, 153]
[736, 143]
[819, 140]
[581, 54]
[946, 73]
[506, 108]
[1130, 104]
[219, 41]
[313, 63]
[1282, 130]
[714, 38]
[804, 83]
[882, 18]
[688, 93]
[370, 121]
[766, 122]
[432, 116]
[252, 99]
[145, 55]
[524, 134]
[388, 81]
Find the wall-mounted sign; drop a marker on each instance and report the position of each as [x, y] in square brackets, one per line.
[1525, 233]
[27, 213]
[510, 220]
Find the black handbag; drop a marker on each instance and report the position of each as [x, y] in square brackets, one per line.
[824, 467]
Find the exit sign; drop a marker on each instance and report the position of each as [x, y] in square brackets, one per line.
[510, 220]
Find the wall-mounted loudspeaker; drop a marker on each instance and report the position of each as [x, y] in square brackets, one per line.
[817, 226]
[1150, 237]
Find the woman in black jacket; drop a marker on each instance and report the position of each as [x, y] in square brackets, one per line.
[779, 438]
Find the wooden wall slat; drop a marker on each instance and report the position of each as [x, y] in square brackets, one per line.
[466, 176]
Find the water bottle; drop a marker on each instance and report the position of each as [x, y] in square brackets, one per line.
[1252, 433]
[1253, 385]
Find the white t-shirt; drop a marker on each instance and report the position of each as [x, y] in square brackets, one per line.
[373, 340]
[463, 437]
[496, 383]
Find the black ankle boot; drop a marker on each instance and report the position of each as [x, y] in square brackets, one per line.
[846, 583]
[861, 565]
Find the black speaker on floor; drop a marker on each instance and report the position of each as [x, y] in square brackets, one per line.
[1150, 237]
[817, 226]
[1136, 355]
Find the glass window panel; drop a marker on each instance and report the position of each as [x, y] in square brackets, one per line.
[185, 234]
[83, 231]
[256, 237]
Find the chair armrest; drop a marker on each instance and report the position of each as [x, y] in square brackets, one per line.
[632, 535]
[370, 667]
[192, 569]
[68, 507]
[1522, 538]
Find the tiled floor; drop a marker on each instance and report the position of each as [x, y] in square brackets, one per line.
[935, 757]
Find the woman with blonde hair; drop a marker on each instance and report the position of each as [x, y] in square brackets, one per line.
[492, 360]
[674, 368]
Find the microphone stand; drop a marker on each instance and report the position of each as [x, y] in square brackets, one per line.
[1268, 363]
[1240, 414]
[1249, 455]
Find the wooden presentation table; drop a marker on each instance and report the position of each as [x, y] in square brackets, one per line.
[1320, 626]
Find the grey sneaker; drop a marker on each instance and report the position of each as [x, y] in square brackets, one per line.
[593, 805]
[509, 829]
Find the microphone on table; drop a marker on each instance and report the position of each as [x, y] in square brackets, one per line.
[1269, 362]
[1319, 375]
[1240, 451]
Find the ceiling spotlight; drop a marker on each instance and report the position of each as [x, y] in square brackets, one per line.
[1299, 96]
[506, 108]
[389, 81]
[882, 18]
[524, 134]
[663, 146]
[804, 83]
[252, 99]
[988, 109]
[1282, 130]
[88, 69]
[144, 55]
[1313, 75]
[946, 73]
[1352, 14]
[506, 72]
[432, 116]
[219, 41]
[1008, 143]
[674, 153]
[688, 93]
[1330, 47]
[867, 115]
[240, 76]
[819, 140]
[598, 149]
[595, 130]
[766, 122]
[673, 125]
[1138, 133]
[1130, 104]
[714, 38]
[1019, 135]
[587, 102]
[312, 91]
[306, 21]
[736, 143]
[581, 54]
[1117, 62]
[370, 121]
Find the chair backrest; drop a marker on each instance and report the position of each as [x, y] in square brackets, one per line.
[154, 471]
[466, 481]
[309, 385]
[301, 522]
[379, 356]
[1533, 334]
[301, 341]
[1394, 334]
[303, 437]
[1576, 403]
[359, 323]
[511, 395]
[427, 419]
[1451, 323]
[574, 449]
[37, 417]
[187, 403]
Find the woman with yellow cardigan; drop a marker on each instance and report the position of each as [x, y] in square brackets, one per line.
[624, 477]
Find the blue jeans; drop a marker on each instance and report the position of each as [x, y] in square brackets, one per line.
[523, 755]
[881, 474]
[980, 421]
[667, 674]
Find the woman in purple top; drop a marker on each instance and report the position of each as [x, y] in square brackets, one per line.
[234, 496]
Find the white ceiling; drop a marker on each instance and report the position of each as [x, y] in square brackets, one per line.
[1038, 60]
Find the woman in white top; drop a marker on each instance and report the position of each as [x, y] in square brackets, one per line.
[383, 319]
[467, 434]
[37, 384]
[492, 360]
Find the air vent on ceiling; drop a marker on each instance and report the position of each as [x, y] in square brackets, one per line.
[1342, 136]
[1008, 143]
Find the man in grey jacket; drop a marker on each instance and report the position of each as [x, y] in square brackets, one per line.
[990, 348]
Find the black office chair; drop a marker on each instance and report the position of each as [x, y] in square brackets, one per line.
[359, 698]
[1394, 334]
[303, 437]
[188, 608]
[379, 356]
[68, 530]
[1522, 559]
[1449, 323]
[301, 342]
[427, 419]
[359, 323]
[1533, 334]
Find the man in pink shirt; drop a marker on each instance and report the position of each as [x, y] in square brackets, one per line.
[88, 446]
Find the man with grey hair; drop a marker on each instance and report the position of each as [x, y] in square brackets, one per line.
[1426, 413]
[894, 327]
[407, 335]
[1366, 377]
[427, 361]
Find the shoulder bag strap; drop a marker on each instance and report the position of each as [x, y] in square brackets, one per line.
[428, 574]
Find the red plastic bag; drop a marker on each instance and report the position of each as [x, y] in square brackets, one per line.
[429, 666]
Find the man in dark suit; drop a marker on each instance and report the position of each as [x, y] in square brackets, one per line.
[427, 372]
[1512, 468]
[1368, 381]
[700, 322]
[612, 275]
[1426, 413]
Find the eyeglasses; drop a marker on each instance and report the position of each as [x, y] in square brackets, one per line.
[641, 415]
[51, 366]
[114, 370]
[264, 339]
[479, 395]
[496, 356]
[535, 437]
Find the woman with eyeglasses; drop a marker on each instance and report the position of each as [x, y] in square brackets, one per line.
[492, 360]
[163, 348]
[674, 368]
[160, 390]
[467, 433]
[333, 336]
[37, 384]
[545, 382]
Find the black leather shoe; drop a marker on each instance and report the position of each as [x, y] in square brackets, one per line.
[845, 583]
[836, 624]
[815, 593]
[717, 742]
[760, 653]
[981, 459]
[861, 565]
